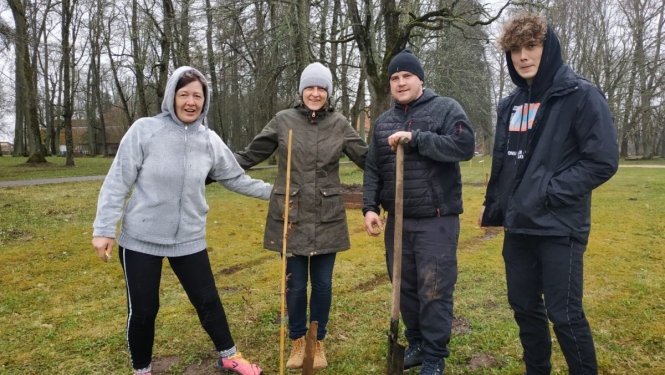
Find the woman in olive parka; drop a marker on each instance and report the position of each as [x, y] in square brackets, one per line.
[318, 227]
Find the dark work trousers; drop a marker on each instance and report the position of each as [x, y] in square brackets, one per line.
[319, 269]
[143, 273]
[429, 274]
[552, 267]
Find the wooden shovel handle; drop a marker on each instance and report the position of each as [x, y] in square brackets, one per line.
[282, 328]
[399, 212]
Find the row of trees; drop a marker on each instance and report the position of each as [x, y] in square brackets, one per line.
[78, 59]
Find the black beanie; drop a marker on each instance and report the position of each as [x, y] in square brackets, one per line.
[405, 61]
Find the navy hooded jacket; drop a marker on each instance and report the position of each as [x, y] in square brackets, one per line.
[570, 150]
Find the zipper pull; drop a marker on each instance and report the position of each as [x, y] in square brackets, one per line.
[313, 114]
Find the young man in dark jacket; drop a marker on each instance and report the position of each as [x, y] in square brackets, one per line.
[439, 137]
[555, 142]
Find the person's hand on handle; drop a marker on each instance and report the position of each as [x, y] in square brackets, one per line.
[480, 217]
[372, 222]
[393, 140]
[104, 246]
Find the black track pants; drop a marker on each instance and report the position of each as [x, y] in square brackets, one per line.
[545, 279]
[142, 276]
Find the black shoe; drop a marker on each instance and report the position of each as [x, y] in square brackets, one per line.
[433, 367]
[413, 356]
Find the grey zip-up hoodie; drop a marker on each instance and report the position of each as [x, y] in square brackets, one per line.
[167, 162]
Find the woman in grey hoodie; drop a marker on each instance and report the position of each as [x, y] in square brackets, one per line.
[166, 159]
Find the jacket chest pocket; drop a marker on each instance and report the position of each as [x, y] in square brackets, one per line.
[419, 123]
[278, 204]
[332, 205]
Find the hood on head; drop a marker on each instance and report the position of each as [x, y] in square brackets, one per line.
[550, 62]
[168, 104]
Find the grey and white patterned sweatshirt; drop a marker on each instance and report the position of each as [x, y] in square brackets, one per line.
[167, 162]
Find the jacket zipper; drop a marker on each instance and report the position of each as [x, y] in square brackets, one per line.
[182, 188]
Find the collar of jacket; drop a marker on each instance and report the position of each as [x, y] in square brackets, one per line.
[428, 94]
[314, 116]
[565, 81]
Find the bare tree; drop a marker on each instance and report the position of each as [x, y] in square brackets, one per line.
[394, 31]
[67, 10]
[25, 79]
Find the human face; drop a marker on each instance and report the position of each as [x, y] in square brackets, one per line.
[314, 97]
[526, 59]
[189, 101]
[405, 87]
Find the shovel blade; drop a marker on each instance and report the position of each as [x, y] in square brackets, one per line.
[395, 356]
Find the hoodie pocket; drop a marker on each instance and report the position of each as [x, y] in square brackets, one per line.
[278, 204]
[332, 205]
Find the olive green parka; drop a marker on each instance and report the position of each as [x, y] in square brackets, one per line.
[317, 217]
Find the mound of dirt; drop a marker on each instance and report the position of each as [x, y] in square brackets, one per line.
[353, 195]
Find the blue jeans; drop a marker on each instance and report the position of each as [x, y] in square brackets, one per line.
[319, 269]
[545, 282]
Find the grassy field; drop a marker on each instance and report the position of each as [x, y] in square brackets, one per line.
[63, 311]
[13, 169]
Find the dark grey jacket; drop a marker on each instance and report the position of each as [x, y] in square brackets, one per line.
[441, 137]
[316, 212]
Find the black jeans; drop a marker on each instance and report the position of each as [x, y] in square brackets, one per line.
[429, 274]
[318, 268]
[552, 267]
[143, 274]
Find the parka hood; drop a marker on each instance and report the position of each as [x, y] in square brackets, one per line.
[168, 104]
[550, 63]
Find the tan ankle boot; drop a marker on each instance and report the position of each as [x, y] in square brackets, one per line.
[320, 361]
[297, 354]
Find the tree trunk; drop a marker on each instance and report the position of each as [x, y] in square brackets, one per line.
[139, 62]
[20, 148]
[51, 140]
[91, 108]
[182, 35]
[114, 71]
[165, 43]
[29, 107]
[66, 80]
[301, 39]
[215, 122]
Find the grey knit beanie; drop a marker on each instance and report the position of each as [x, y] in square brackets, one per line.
[405, 61]
[316, 74]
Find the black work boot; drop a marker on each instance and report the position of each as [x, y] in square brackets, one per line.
[430, 367]
[413, 356]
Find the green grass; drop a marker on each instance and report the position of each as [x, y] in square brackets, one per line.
[13, 169]
[62, 311]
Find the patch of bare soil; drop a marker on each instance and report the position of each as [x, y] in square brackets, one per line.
[163, 366]
[477, 184]
[352, 195]
[482, 361]
[372, 284]
[241, 266]
[461, 326]
[491, 232]
[37, 164]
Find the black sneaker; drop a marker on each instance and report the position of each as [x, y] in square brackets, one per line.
[413, 356]
[433, 367]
